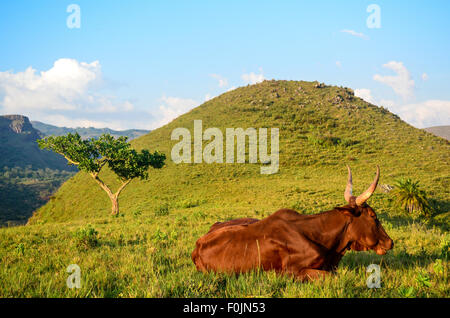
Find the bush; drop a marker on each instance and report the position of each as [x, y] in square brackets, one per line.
[86, 237]
[445, 247]
[406, 292]
[199, 214]
[423, 280]
[164, 238]
[190, 203]
[411, 198]
[324, 141]
[20, 249]
[162, 210]
[329, 141]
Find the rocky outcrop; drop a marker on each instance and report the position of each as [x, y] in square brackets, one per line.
[18, 146]
[18, 124]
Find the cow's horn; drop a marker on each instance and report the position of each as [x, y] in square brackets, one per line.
[363, 197]
[349, 188]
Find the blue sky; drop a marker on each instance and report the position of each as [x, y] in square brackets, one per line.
[139, 64]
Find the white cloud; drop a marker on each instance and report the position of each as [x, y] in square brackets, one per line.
[171, 108]
[338, 64]
[354, 33]
[223, 82]
[425, 114]
[402, 84]
[61, 120]
[365, 94]
[252, 78]
[69, 89]
[419, 114]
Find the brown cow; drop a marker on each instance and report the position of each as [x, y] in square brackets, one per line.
[306, 246]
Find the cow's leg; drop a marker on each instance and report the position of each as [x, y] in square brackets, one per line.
[310, 274]
[300, 266]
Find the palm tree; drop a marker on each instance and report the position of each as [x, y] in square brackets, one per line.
[410, 197]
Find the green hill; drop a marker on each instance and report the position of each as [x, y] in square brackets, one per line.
[145, 252]
[86, 132]
[321, 130]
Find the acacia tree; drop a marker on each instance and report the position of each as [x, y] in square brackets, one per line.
[91, 155]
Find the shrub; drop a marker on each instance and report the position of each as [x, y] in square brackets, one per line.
[445, 247]
[190, 203]
[86, 237]
[438, 267]
[406, 292]
[199, 214]
[20, 249]
[423, 280]
[162, 210]
[329, 141]
[180, 220]
[324, 141]
[410, 197]
[164, 238]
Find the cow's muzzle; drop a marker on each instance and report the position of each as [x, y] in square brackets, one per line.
[383, 247]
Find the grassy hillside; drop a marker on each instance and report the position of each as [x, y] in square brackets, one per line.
[85, 133]
[146, 250]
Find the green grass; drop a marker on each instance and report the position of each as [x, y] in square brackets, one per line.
[145, 252]
[150, 257]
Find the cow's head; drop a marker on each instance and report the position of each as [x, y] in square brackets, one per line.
[365, 231]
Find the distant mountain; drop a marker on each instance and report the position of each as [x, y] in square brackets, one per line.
[440, 131]
[85, 133]
[28, 174]
[18, 147]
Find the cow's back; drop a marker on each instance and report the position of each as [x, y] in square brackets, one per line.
[243, 221]
[208, 247]
[225, 249]
[243, 244]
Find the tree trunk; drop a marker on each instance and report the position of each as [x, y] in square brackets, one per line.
[115, 205]
[114, 197]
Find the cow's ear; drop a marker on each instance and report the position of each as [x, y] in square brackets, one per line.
[349, 210]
